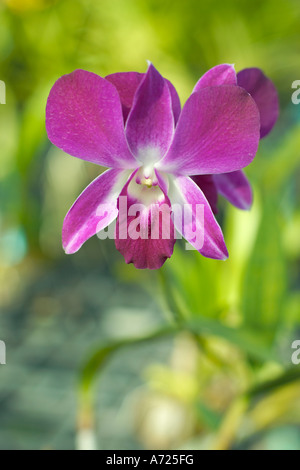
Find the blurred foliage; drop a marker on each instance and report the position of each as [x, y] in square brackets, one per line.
[230, 378]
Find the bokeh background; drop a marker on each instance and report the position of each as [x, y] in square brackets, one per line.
[100, 355]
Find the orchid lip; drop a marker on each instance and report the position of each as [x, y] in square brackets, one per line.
[144, 187]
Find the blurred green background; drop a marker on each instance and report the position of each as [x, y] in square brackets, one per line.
[197, 355]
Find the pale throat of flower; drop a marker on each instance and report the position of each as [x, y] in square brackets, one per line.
[145, 186]
[147, 182]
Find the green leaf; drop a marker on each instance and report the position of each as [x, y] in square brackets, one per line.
[272, 172]
[287, 377]
[208, 416]
[99, 358]
[252, 343]
[264, 286]
[191, 282]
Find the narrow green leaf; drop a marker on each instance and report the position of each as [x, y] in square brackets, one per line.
[100, 357]
[264, 284]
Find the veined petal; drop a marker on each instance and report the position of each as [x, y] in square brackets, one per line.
[236, 188]
[94, 209]
[265, 95]
[144, 232]
[128, 82]
[223, 74]
[217, 132]
[84, 118]
[195, 221]
[150, 124]
[208, 187]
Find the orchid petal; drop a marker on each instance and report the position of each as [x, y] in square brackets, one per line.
[217, 132]
[84, 118]
[265, 95]
[93, 210]
[145, 233]
[223, 74]
[176, 106]
[236, 188]
[207, 185]
[126, 84]
[150, 124]
[198, 224]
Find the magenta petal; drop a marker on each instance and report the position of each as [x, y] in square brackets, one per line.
[176, 106]
[236, 188]
[144, 234]
[217, 132]
[207, 185]
[150, 124]
[223, 74]
[94, 209]
[264, 94]
[84, 118]
[198, 226]
[126, 83]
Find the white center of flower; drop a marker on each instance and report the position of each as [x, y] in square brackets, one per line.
[144, 186]
[149, 156]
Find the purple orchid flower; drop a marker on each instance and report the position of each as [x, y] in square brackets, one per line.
[235, 186]
[133, 124]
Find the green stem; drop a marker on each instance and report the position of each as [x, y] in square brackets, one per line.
[172, 305]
